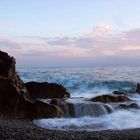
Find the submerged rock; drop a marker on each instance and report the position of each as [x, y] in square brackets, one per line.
[46, 90]
[110, 98]
[128, 106]
[137, 88]
[119, 92]
[82, 109]
[91, 109]
[66, 107]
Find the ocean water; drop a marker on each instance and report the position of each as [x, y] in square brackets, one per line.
[87, 83]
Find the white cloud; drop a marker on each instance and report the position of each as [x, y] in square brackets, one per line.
[103, 41]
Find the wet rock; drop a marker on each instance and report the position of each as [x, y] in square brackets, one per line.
[137, 88]
[57, 102]
[38, 109]
[16, 102]
[81, 109]
[119, 92]
[46, 90]
[110, 98]
[67, 107]
[108, 108]
[128, 106]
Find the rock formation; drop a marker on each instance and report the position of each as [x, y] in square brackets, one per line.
[14, 97]
[46, 90]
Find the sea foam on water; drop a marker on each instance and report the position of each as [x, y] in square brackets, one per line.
[87, 83]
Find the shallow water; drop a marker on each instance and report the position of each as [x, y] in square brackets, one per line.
[90, 82]
[122, 119]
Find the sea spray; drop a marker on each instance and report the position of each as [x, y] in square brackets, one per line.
[87, 83]
[119, 120]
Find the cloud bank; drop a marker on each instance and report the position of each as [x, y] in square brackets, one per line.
[104, 45]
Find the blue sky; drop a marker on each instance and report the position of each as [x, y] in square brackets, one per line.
[70, 30]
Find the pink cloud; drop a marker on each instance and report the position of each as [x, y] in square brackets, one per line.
[103, 41]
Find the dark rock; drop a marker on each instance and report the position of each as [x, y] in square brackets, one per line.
[56, 102]
[46, 90]
[7, 65]
[11, 86]
[119, 92]
[8, 70]
[110, 98]
[66, 107]
[38, 109]
[137, 88]
[9, 93]
[127, 106]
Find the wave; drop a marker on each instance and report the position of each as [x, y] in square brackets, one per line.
[89, 82]
[111, 121]
[85, 81]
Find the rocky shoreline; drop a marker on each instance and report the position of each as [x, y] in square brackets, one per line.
[19, 105]
[23, 129]
[21, 100]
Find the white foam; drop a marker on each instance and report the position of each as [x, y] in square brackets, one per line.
[123, 119]
[91, 93]
[135, 97]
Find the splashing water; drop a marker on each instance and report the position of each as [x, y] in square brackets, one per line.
[90, 82]
[86, 82]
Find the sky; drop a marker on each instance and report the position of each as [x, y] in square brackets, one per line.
[71, 33]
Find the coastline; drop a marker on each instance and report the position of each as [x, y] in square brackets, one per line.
[12, 128]
[20, 100]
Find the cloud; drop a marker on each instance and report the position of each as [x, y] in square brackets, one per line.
[102, 42]
[8, 43]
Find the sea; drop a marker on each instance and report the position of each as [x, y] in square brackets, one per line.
[85, 83]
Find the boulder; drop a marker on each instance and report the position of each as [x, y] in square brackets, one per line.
[37, 109]
[46, 90]
[110, 98]
[66, 107]
[57, 102]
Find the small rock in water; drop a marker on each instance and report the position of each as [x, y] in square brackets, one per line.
[137, 88]
[119, 92]
[110, 98]
[128, 106]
